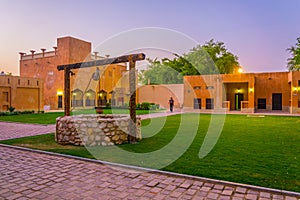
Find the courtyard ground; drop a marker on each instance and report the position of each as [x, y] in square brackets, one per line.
[16, 163]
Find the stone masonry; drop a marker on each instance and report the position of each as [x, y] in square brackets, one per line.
[93, 130]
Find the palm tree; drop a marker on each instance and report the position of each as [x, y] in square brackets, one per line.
[294, 61]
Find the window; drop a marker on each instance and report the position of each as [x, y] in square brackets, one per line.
[5, 96]
[28, 82]
[299, 83]
[5, 107]
[8, 81]
[210, 104]
[18, 81]
[197, 87]
[197, 103]
[210, 87]
[261, 103]
[59, 101]
[37, 83]
[89, 101]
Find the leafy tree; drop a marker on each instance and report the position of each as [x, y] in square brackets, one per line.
[181, 65]
[213, 58]
[210, 58]
[159, 73]
[294, 61]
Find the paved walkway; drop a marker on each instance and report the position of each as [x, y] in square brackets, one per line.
[9, 130]
[31, 175]
[27, 174]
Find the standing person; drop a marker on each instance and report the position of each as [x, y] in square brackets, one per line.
[171, 102]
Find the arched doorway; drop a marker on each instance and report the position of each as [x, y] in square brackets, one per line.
[90, 98]
[77, 98]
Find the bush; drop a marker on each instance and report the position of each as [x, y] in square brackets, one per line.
[145, 106]
[26, 112]
[138, 106]
[2, 113]
[153, 107]
[18, 112]
[8, 113]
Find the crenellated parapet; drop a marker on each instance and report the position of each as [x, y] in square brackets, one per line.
[33, 55]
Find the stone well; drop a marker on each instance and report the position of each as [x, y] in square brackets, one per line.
[93, 130]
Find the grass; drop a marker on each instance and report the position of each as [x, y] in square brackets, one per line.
[45, 118]
[50, 118]
[257, 151]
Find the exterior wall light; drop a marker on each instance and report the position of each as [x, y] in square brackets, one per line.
[295, 89]
[59, 93]
[240, 70]
[251, 89]
[238, 90]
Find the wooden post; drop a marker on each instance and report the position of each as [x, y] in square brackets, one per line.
[67, 91]
[132, 101]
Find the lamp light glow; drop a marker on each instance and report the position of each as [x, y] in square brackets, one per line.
[295, 89]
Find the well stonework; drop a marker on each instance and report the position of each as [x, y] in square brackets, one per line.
[93, 130]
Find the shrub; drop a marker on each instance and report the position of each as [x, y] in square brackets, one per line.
[138, 106]
[26, 112]
[153, 107]
[145, 106]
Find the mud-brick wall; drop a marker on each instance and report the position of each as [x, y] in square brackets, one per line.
[93, 130]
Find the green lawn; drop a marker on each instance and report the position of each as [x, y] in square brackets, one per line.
[251, 150]
[50, 118]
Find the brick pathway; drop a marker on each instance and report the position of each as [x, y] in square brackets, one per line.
[31, 175]
[9, 130]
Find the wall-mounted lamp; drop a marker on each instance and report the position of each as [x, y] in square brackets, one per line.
[251, 89]
[238, 90]
[295, 89]
[59, 93]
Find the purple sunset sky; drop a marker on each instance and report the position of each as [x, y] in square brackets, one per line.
[258, 32]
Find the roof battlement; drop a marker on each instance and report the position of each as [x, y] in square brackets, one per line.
[33, 55]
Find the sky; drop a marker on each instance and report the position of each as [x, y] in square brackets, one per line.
[258, 32]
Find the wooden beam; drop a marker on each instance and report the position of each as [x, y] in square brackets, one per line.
[121, 59]
[106, 61]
